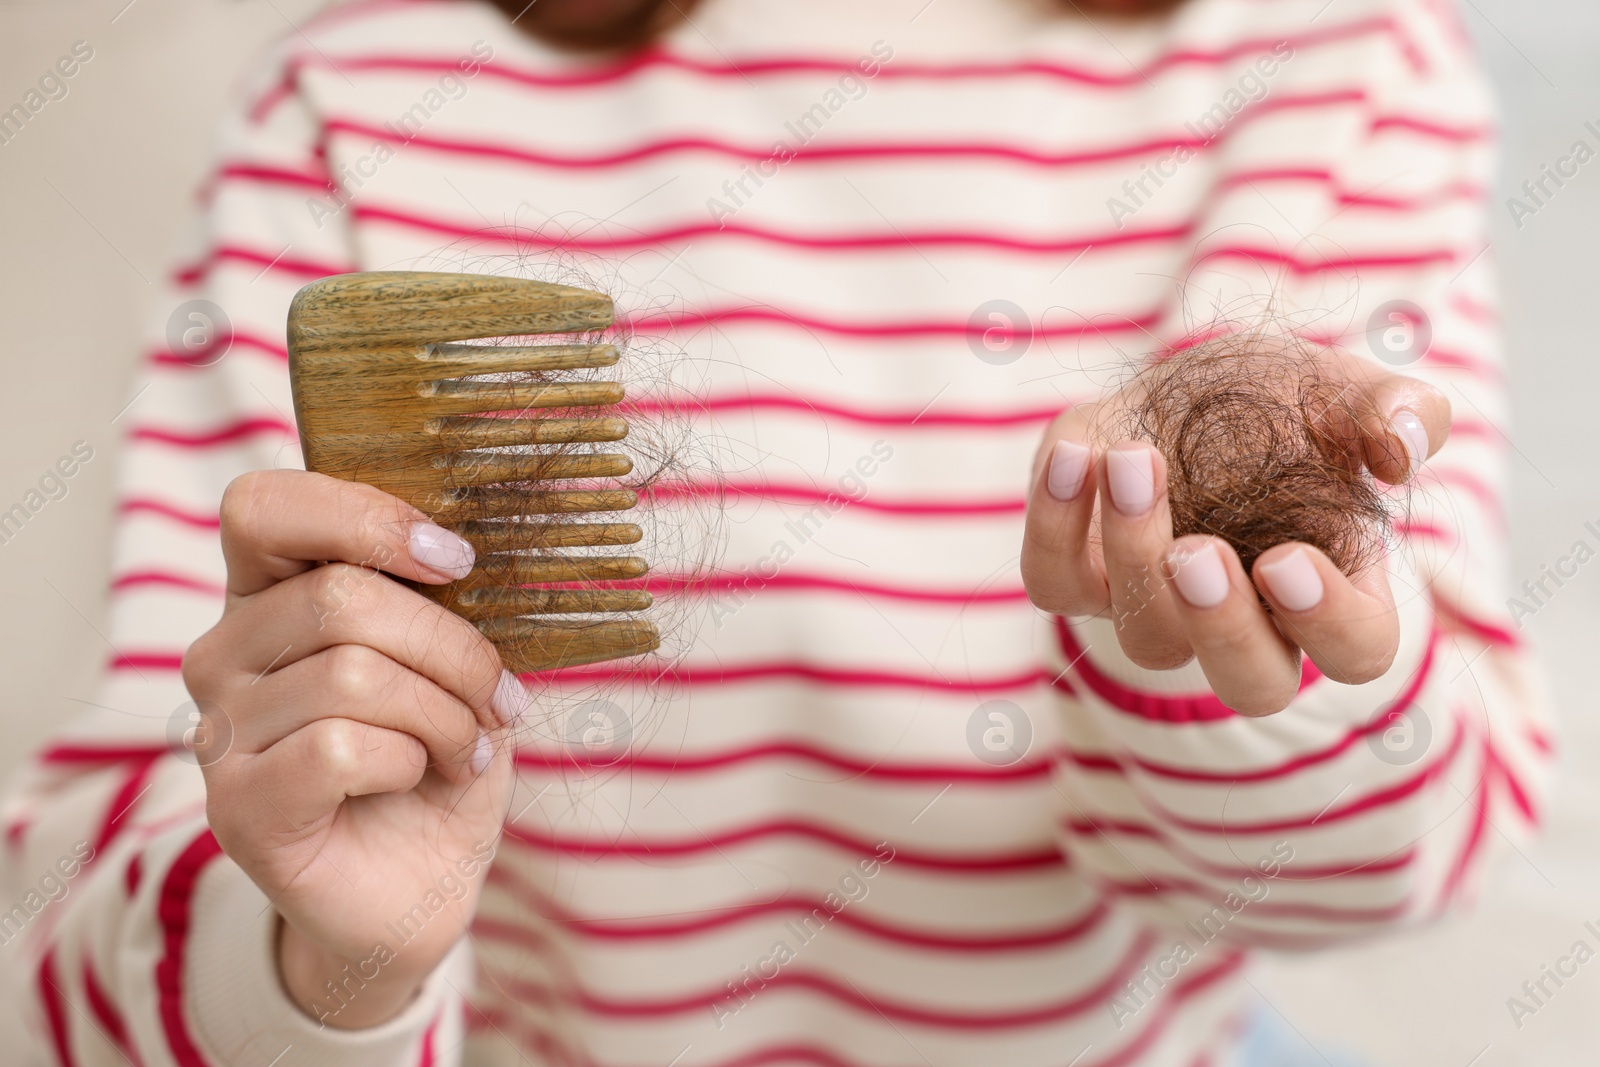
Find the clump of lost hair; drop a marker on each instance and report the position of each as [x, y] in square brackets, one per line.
[1262, 446]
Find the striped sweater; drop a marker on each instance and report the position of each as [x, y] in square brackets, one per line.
[888, 814]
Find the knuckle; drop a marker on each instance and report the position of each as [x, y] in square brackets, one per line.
[197, 668]
[355, 672]
[342, 746]
[338, 587]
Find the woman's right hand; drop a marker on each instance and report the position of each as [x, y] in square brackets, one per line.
[351, 736]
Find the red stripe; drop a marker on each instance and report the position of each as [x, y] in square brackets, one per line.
[1372, 801]
[1454, 615]
[796, 493]
[627, 929]
[1462, 866]
[1015, 860]
[530, 756]
[152, 661]
[589, 240]
[592, 240]
[134, 579]
[1407, 528]
[881, 150]
[106, 1014]
[426, 1056]
[694, 320]
[237, 342]
[1414, 124]
[1279, 909]
[305, 268]
[1106, 826]
[726, 581]
[725, 674]
[834, 409]
[142, 505]
[1483, 368]
[1519, 796]
[1377, 724]
[691, 405]
[1347, 198]
[238, 430]
[588, 75]
[709, 585]
[55, 1009]
[173, 912]
[133, 874]
[1487, 498]
[1306, 266]
[122, 802]
[1156, 1020]
[75, 753]
[711, 674]
[253, 172]
[1481, 313]
[845, 993]
[1160, 707]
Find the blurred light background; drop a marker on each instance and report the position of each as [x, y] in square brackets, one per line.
[95, 195]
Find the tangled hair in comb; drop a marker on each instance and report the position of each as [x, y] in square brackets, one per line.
[1262, 446]
[676, 470]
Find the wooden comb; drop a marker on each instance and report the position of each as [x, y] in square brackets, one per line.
[388, 392]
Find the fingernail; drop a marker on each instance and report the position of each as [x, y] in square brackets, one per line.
[510, 700]
[440, 550]
[1130, 473]
[1069, 462]
[482, 754]
[1293, 581]
[1414, 436]
[1200, 575]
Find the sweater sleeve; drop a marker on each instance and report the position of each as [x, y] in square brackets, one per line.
[1358, 807]
[133, 938]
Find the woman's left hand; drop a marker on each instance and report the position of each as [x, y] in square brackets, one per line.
[1174, 600]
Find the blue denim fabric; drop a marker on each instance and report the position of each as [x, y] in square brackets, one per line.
[1271, 1042]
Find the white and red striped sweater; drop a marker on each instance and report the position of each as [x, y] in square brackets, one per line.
[810, 856]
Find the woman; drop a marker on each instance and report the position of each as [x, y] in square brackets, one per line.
[898, 813]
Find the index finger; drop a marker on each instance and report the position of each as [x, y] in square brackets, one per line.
[276, 524]
[1403, 420]
[1061, 569]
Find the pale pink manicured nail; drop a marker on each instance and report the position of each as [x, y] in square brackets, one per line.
[1200, 575]
[510, 700]
[482, 754]
[1414, 436]
[1293, 581]
[440, 550]
[1130, 472]
[1069, 462]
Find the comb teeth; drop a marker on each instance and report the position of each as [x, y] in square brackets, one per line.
[497, 603]
[451, 397]
[464, 432]
[526, 645]
[511, 536]
[465, 468]
[390, 389]
[462, 505]
[467, 360]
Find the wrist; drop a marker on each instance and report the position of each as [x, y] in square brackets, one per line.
[342, 992]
